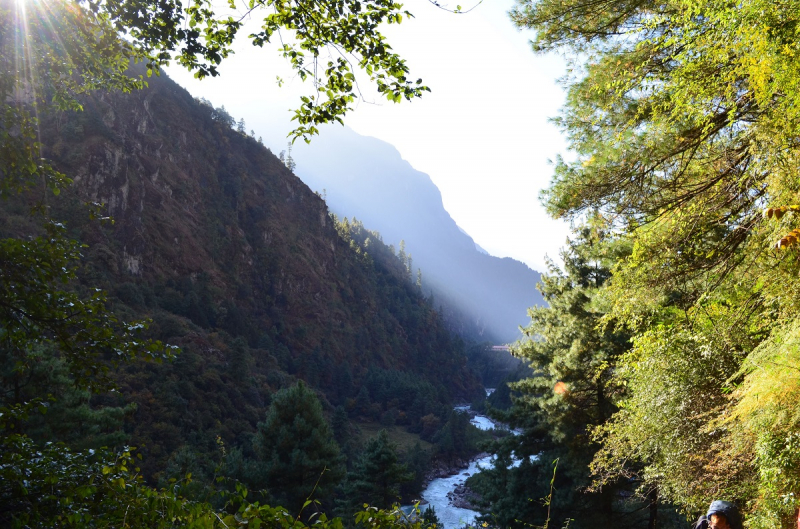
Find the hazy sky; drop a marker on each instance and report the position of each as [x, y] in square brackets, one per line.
[482, 134]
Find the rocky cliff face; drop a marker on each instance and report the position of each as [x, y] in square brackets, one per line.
[183, 189]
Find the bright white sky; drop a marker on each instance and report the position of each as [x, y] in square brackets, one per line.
[482, 134]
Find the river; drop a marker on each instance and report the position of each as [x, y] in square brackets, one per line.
[436, 495]
[436, 492]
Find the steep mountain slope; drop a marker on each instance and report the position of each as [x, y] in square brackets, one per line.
[240, 264]
[366, 178]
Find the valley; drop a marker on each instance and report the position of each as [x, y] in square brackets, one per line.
[199, 332]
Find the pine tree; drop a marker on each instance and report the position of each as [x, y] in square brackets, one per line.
[221, 114]
[289, 162]
[418, 460]
[363, 402]
[297, 449]
[429, 518]
[572, 391]
[340, 426]
[73, 415]
[378, 474]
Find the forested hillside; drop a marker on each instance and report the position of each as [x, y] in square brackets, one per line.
[241, 266]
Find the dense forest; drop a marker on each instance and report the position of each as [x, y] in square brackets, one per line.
[262, 285]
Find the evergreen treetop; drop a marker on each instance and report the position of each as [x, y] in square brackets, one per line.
[296, 446]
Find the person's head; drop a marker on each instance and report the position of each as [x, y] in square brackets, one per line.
[723, 515]
[718, 521]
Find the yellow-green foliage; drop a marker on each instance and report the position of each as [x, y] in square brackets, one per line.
[769, 395]
[765, 420]
[685, 134]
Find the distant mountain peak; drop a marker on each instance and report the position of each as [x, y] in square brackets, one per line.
[367, 178]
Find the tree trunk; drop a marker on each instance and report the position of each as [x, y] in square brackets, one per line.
[652, 523]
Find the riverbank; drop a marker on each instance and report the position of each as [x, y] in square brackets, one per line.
[445, 470]
[464, 498]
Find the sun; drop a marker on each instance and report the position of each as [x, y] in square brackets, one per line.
[16, 52]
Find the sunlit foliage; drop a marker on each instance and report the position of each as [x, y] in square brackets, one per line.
[573, 389]
[683, 116]
[323, 41]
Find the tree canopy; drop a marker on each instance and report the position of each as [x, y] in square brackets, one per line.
[377, 475]
[683, 118]
[323, 40]
[572, 390]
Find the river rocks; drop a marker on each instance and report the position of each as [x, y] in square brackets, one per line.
[464, 498]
